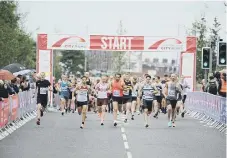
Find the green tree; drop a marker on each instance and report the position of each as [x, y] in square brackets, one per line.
[73, 61]
[57, 67]
[199, 29]
[119, 57]
[15, 44]
[213, 40]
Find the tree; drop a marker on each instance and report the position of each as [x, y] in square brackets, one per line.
[57, 67]
[15, 44]
[119, 57]
[73, 61]
[199, 29]
[213, 39]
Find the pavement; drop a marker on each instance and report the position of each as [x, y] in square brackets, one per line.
[60, 136]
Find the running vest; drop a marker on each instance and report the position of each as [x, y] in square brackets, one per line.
[128, 92]
[147, 91]
[102, 90]
[223, 86]
[159, 88]
[172, 91]
[64, 89]
[82, 94]
[135, 90]
[116, 91]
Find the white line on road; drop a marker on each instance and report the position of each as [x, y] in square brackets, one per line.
[124, 137]
[126, 145]
[129, 154]
[122, 129]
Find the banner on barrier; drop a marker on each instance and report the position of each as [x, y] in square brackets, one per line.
[16, 106]
[208, 104]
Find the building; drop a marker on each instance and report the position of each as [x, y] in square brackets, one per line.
[99, 60]
[158, 66]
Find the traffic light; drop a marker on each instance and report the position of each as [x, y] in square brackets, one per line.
[221, 54]
[206, 55]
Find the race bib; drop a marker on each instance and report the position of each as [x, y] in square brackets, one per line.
[83, 93]
[82, 96]
[116, 93]
[134, 94]
[126, 92]
[43, 90]
[172, 93]
[102, 94]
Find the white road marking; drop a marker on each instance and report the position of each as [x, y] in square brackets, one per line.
[129, 154]
[122, 129]
[126, 145]
[124, 137]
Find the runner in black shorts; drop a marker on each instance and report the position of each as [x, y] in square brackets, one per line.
[43, 86]
[127, 95]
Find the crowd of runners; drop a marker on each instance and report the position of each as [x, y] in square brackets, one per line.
[120, 94]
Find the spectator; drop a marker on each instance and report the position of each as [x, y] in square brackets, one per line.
[25, 85]
[9, 87]
[3, 90]
[212, 86]
[15, 86]
[222, 86]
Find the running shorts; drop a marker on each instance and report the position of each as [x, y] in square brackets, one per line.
[81, 103]
[42, 100]
[102, 101]
[159, 99]
[173, 103]
[117, 99]
[134, 98]
[127, 99]
[147, 104]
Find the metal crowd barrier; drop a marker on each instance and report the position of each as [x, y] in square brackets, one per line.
[15, 111]
[208, 109]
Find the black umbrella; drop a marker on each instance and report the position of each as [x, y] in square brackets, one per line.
[15, 67]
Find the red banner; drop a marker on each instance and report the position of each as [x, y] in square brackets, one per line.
[15, 103]
[102, 42]
[4, 112]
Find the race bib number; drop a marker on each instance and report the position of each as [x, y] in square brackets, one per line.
[102, 94]
[134, 94]
[148, 94]
[172, 93]
[43, 90]
[126, 92]
[83, 93]
[82, 96]
[116, 93]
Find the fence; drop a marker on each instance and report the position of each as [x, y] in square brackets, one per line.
[209, 109]
[15, 111]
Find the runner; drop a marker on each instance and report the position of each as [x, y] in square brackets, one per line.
[102, 98]
[42, 86]
[127, 96]
[185, 87]
[117, 92]
[82, 99]
[64, 94]
[72, 100]
[148, 94]
[135, 90]
[158, 96]
[170, 93]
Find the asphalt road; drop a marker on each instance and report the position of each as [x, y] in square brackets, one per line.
[59, 137]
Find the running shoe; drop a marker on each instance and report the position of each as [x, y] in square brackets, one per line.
[170, 124]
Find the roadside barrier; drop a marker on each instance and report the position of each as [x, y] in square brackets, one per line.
[15, 111]
[209, 109]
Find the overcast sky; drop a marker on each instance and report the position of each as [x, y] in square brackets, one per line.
[152, 18]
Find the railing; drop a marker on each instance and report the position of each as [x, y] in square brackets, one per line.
[209, 109]
[15, 111]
